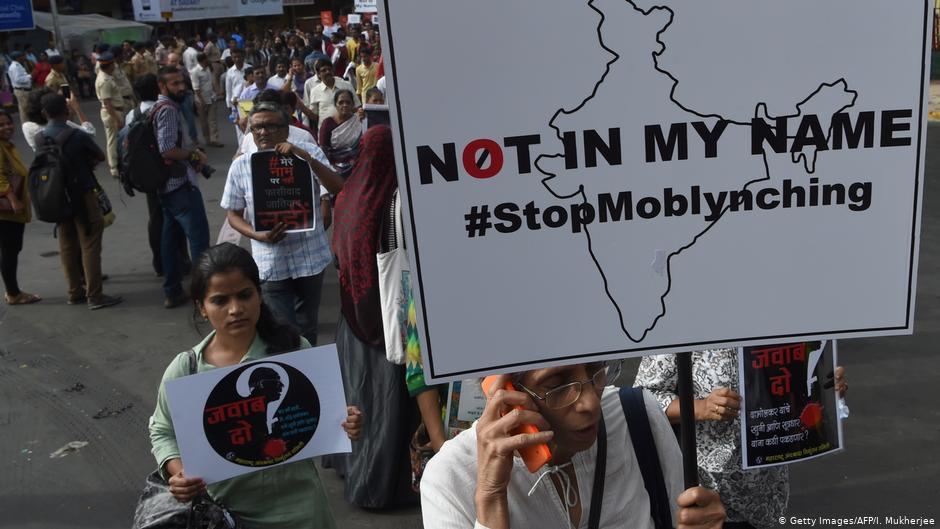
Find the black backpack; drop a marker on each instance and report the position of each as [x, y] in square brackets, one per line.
[51, 186]
[141, 167]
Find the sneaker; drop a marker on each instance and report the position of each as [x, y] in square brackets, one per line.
[104, 301]
[175, 301]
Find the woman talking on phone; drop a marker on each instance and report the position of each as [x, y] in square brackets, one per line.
[594, 477]
[226, 291]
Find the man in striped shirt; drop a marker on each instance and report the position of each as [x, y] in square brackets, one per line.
[181, 199]
[291, 264]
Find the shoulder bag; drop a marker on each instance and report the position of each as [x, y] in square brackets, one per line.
[158, 509]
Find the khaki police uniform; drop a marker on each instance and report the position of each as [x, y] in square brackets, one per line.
[55, 80]
[125, 87]
[106, 88]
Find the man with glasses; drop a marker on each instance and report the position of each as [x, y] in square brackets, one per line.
[291, 264]
[580, 416]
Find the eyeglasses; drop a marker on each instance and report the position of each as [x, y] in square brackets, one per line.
[267, 127]
[567, 394]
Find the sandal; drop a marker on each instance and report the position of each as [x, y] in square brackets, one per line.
[22, 298]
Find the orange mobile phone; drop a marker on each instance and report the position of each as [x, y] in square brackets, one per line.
[535, 456]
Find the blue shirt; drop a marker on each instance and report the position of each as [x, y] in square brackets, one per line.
[298, 255]
[311, 60]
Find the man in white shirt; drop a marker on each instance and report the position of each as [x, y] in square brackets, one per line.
[318, 97]
[279, 79]
[205, 99]
[235, 83]
[232, 45]
[52, 50]
[21, 81]
[475, 481]
[189, 56]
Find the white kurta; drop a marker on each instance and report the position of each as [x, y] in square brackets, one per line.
[449, 481]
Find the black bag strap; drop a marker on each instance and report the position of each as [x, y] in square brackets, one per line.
[634, 409]
[65, 136]
[151, 115]
[600, 472]
[193, 363]
[61, 138]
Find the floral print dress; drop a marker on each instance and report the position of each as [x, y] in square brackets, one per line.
[759, 496]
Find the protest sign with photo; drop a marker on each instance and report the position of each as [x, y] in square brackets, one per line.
[283, 190]
[686, 156]
[465, 404]
[790, 410]
[240, 419]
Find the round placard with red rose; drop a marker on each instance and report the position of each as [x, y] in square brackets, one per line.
[261, 414]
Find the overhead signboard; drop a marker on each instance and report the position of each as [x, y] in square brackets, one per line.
[16, 15]
[676, 175]
[153, 10]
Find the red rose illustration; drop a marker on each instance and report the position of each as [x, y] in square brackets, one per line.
[274, 448]
[811, 415]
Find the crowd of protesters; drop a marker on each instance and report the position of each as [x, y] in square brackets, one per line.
[302, 93]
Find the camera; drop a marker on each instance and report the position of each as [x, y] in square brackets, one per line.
[206, 170]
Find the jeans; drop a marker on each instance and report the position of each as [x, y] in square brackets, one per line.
[297, 302]
[183, 208]
[189, 115]
[155, 234]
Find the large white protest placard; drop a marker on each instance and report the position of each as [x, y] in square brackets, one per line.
[256, 415]
[665, 176]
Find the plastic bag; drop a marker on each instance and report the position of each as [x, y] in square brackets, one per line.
[158, 509]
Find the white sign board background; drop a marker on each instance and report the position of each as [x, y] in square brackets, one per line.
[366, 6]
[150, 10]
[188, 395]
[540, 297]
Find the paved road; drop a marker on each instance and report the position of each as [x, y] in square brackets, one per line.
[68, 374]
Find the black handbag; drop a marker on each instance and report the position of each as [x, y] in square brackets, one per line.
[158, 509]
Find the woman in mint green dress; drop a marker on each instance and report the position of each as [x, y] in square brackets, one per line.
[226, 291]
